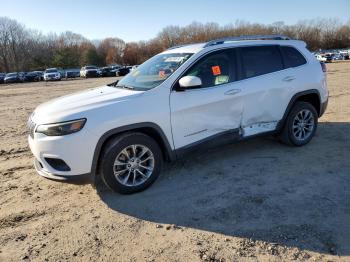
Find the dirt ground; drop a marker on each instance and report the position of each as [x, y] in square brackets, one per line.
[256, 200]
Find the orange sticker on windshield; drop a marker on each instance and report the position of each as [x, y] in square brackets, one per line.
[162, 73]
[216, 70]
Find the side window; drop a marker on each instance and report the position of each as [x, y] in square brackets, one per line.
[292, 57]
[259, 60]
[214, 69]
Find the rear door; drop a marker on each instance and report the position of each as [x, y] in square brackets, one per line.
[267, 88]
[212, 109]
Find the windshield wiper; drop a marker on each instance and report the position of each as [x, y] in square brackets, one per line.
[125, 87]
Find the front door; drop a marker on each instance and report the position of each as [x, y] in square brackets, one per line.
[213, 108]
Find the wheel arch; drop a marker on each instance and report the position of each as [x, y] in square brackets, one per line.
[311, 96]
[148, 128]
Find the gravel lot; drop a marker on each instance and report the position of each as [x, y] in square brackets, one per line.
[257, 200]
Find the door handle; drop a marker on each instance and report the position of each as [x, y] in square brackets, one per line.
[232, 91]
[288, 78]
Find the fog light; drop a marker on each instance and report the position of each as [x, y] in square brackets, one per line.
[57, 164]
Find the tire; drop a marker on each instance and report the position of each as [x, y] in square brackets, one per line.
[291, 134]
[123, 175]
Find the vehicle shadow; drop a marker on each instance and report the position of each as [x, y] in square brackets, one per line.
[258, 189]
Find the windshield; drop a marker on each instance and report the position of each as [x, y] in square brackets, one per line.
[51, 71]
[11, 74]
[90, 67]
[154, 71]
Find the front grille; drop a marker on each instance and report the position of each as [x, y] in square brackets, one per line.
[31, 128]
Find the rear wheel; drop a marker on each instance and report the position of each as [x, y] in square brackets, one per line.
[130, 163]
[300, 125]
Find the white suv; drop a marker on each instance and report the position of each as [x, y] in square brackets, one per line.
[186, 98]
[52, 74]
[90, 71]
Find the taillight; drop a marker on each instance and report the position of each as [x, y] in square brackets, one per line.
[324, 67]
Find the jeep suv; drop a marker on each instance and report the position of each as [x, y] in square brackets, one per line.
[90, 71]
[52, 74]
[183, 99]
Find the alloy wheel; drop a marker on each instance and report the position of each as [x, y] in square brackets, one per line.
[133, 165]
[303, 125]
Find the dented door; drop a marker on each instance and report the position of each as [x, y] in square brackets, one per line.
[213, 108]
[265, 98]
[267, 88]
[198, 114]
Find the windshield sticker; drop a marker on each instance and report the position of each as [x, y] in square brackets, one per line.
[162, 73]
[216, 70]
[176, 59]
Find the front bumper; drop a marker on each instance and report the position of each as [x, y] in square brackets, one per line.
[76, 150]
[84, 178]
[42, 172]
[323, 107]
[91, 74]
[52, 78]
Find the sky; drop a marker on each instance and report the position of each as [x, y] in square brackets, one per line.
[134, 20]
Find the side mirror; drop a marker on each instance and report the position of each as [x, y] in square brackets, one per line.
[187, 82]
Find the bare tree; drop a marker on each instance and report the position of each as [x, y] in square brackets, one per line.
[112, 50]
[24, 49]
[13, 44]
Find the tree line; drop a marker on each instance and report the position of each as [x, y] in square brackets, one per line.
[23, 49]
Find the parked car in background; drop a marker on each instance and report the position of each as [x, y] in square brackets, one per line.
[2, 77]
[133, 67]
[62, 72]
[107, 71]
[338, 57]
[89, 71]
[329, 58]
[122, 71]
[72, 73]
[185, 99]
[41, 74]
[114, 68]
[52, 74]
[345, 55]
[321, 58]
[14, 78]
[32, 76]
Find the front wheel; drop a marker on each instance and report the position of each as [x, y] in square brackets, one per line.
[300, 125]
[130, 163]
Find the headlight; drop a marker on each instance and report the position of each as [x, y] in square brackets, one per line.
[61, 129]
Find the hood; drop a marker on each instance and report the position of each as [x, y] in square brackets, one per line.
[75, 105]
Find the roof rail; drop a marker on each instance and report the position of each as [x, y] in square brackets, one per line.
[245, 37]
[176, 46]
